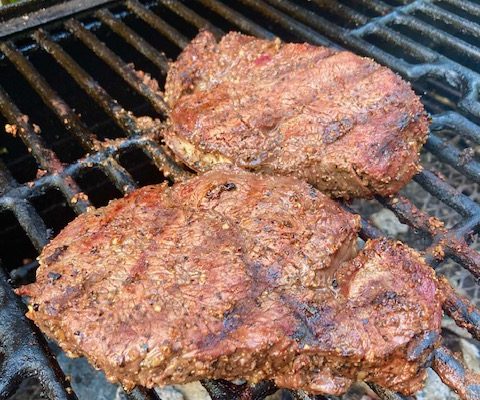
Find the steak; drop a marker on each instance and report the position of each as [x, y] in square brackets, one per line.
[345, 124]
[236, 275]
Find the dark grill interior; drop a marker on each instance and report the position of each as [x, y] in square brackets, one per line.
[75, 78]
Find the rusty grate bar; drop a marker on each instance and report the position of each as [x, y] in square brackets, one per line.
[220, 390]
[135, 40]
[27, 350]
[49, 96]
[143, 394]
[443, 191]
[467, 6]
[191, 16]
[289, 23]
[66, 115]
[157, 23]
[46, 158]
[378, 6]
[342, 10]
[456, 122]
[452, 156]
[460, 309]
[454, 20]
[238, 19]
[6, 180]
[386, 394]
[117, 64]
[454, 374]
[123, 119]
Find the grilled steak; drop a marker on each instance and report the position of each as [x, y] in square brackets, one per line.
[345, 124]
[236, 275]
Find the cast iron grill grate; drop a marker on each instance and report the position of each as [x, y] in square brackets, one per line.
[71, 98]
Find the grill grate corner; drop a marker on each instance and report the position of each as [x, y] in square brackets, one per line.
[45, 180]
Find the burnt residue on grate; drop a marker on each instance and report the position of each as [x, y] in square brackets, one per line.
[75, 76]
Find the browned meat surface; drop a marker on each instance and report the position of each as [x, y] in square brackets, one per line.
[341, 122]
[236, 275]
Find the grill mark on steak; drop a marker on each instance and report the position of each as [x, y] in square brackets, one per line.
[56, 254]
[238, 313]
[187, 284]
[309, 317]
[336, 130]
[215, 193]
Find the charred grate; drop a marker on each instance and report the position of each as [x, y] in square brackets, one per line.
[71, 67]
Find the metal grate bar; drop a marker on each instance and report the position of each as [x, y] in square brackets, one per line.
[378, 6]
[221, 390]
[65, 114]
[120, 177]
[460, 309]
[455, 375]
[135, 40]
[444, 192]
[386, 394]
[31, 223]
[297, 12]
[439, 36]
[27, 349]
[117, 64]
[123, 119]
[164, 162]
[460, 252]
[452, 156]
[289, 23]
[101, 159]
[71, 121]
[191, 16]
[157, 23]
[466, 227]
[143, 394]
[46, 158]
[70, 190]
[404, 210]
[450, 243]
[422, 53]
[10, 381]
[452, 19]
[342, 10]
[45, 15]
[461, 125]
[6, 179]
[344, 36]
[385, 19]
[467, 6]
[238, 19]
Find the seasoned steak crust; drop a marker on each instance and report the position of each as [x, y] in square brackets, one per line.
[236, 275]
[345, 124]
